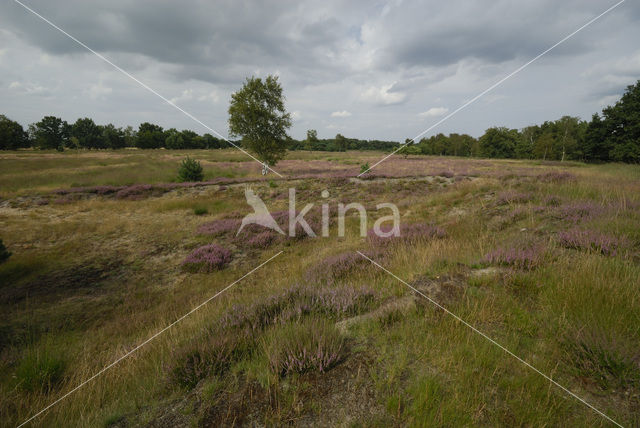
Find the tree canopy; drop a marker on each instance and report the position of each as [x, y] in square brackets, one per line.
[257, 114]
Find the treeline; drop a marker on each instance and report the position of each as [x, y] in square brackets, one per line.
[339, 144]
[613, 135]
[54, 133]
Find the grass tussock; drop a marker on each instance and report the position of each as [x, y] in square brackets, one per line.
[313, 345]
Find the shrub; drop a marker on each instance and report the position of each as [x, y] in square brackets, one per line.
[314, 345]
[298, 302]
[263, 239]
[200, 211]
[4, 253]
[411, 233]
[556, 177]
[40, 372]
[219, 227]
[211, 356]
[364, 167]
[590, 240]
[336, 267]
[207, 258]
[579, 211]
[527, 257]
[511, 197]
[190, 170]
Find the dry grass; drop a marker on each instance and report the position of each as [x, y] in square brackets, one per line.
[94, 276]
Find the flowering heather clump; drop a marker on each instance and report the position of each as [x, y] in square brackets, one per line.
[411, 233]
[219, 227]
[590, 240]
[522, 258]
[263, 239]
[207, 258]
[556, 177]
[577, 211]
[511, 197]
[137, 191]
[311, 346]
[447, 174]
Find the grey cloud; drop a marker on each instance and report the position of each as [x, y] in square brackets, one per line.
[385, 62]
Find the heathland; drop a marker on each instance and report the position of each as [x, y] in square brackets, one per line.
[107, 249]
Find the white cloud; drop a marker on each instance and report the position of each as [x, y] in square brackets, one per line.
[342, 113]
[434, 112]
[383, 95]
[186, 95]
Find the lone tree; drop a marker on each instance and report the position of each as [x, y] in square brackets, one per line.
[257, 114]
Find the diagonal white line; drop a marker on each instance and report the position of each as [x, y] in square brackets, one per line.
[495, 85]
[144, 85]
[148, 340]
[491, 340]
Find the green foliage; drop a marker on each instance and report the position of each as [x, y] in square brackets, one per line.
[12, 135]
[190, 170]
[364, 167]
[257, 114]
[622, 125]
[50, 133]
[499, 142]
[4, 253]
[200, 211]
[39, 372]
[87, 133]
[150, 136]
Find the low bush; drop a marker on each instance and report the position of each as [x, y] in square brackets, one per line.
[200, 211]
[526, 257]
[578, 211]
[337, 267]
[411, 233]
[207, 258]
[190, 170]
[212, 355]
[4, 253]
[314, 345]
[590, 240]
[556, 177]
[512, 197]
[224, 226]
[297, 303]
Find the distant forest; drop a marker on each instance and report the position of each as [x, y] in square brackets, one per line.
[613, 135]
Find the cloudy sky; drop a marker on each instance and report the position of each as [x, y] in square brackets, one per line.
[367, 69]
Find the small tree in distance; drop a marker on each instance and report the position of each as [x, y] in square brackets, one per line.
[257, 115]
[190, 170]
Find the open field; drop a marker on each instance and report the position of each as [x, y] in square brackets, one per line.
[542, 257]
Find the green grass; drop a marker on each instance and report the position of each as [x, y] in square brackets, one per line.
[92, 278]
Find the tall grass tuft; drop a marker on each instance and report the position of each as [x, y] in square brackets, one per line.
[40, 371]
[314, 345]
